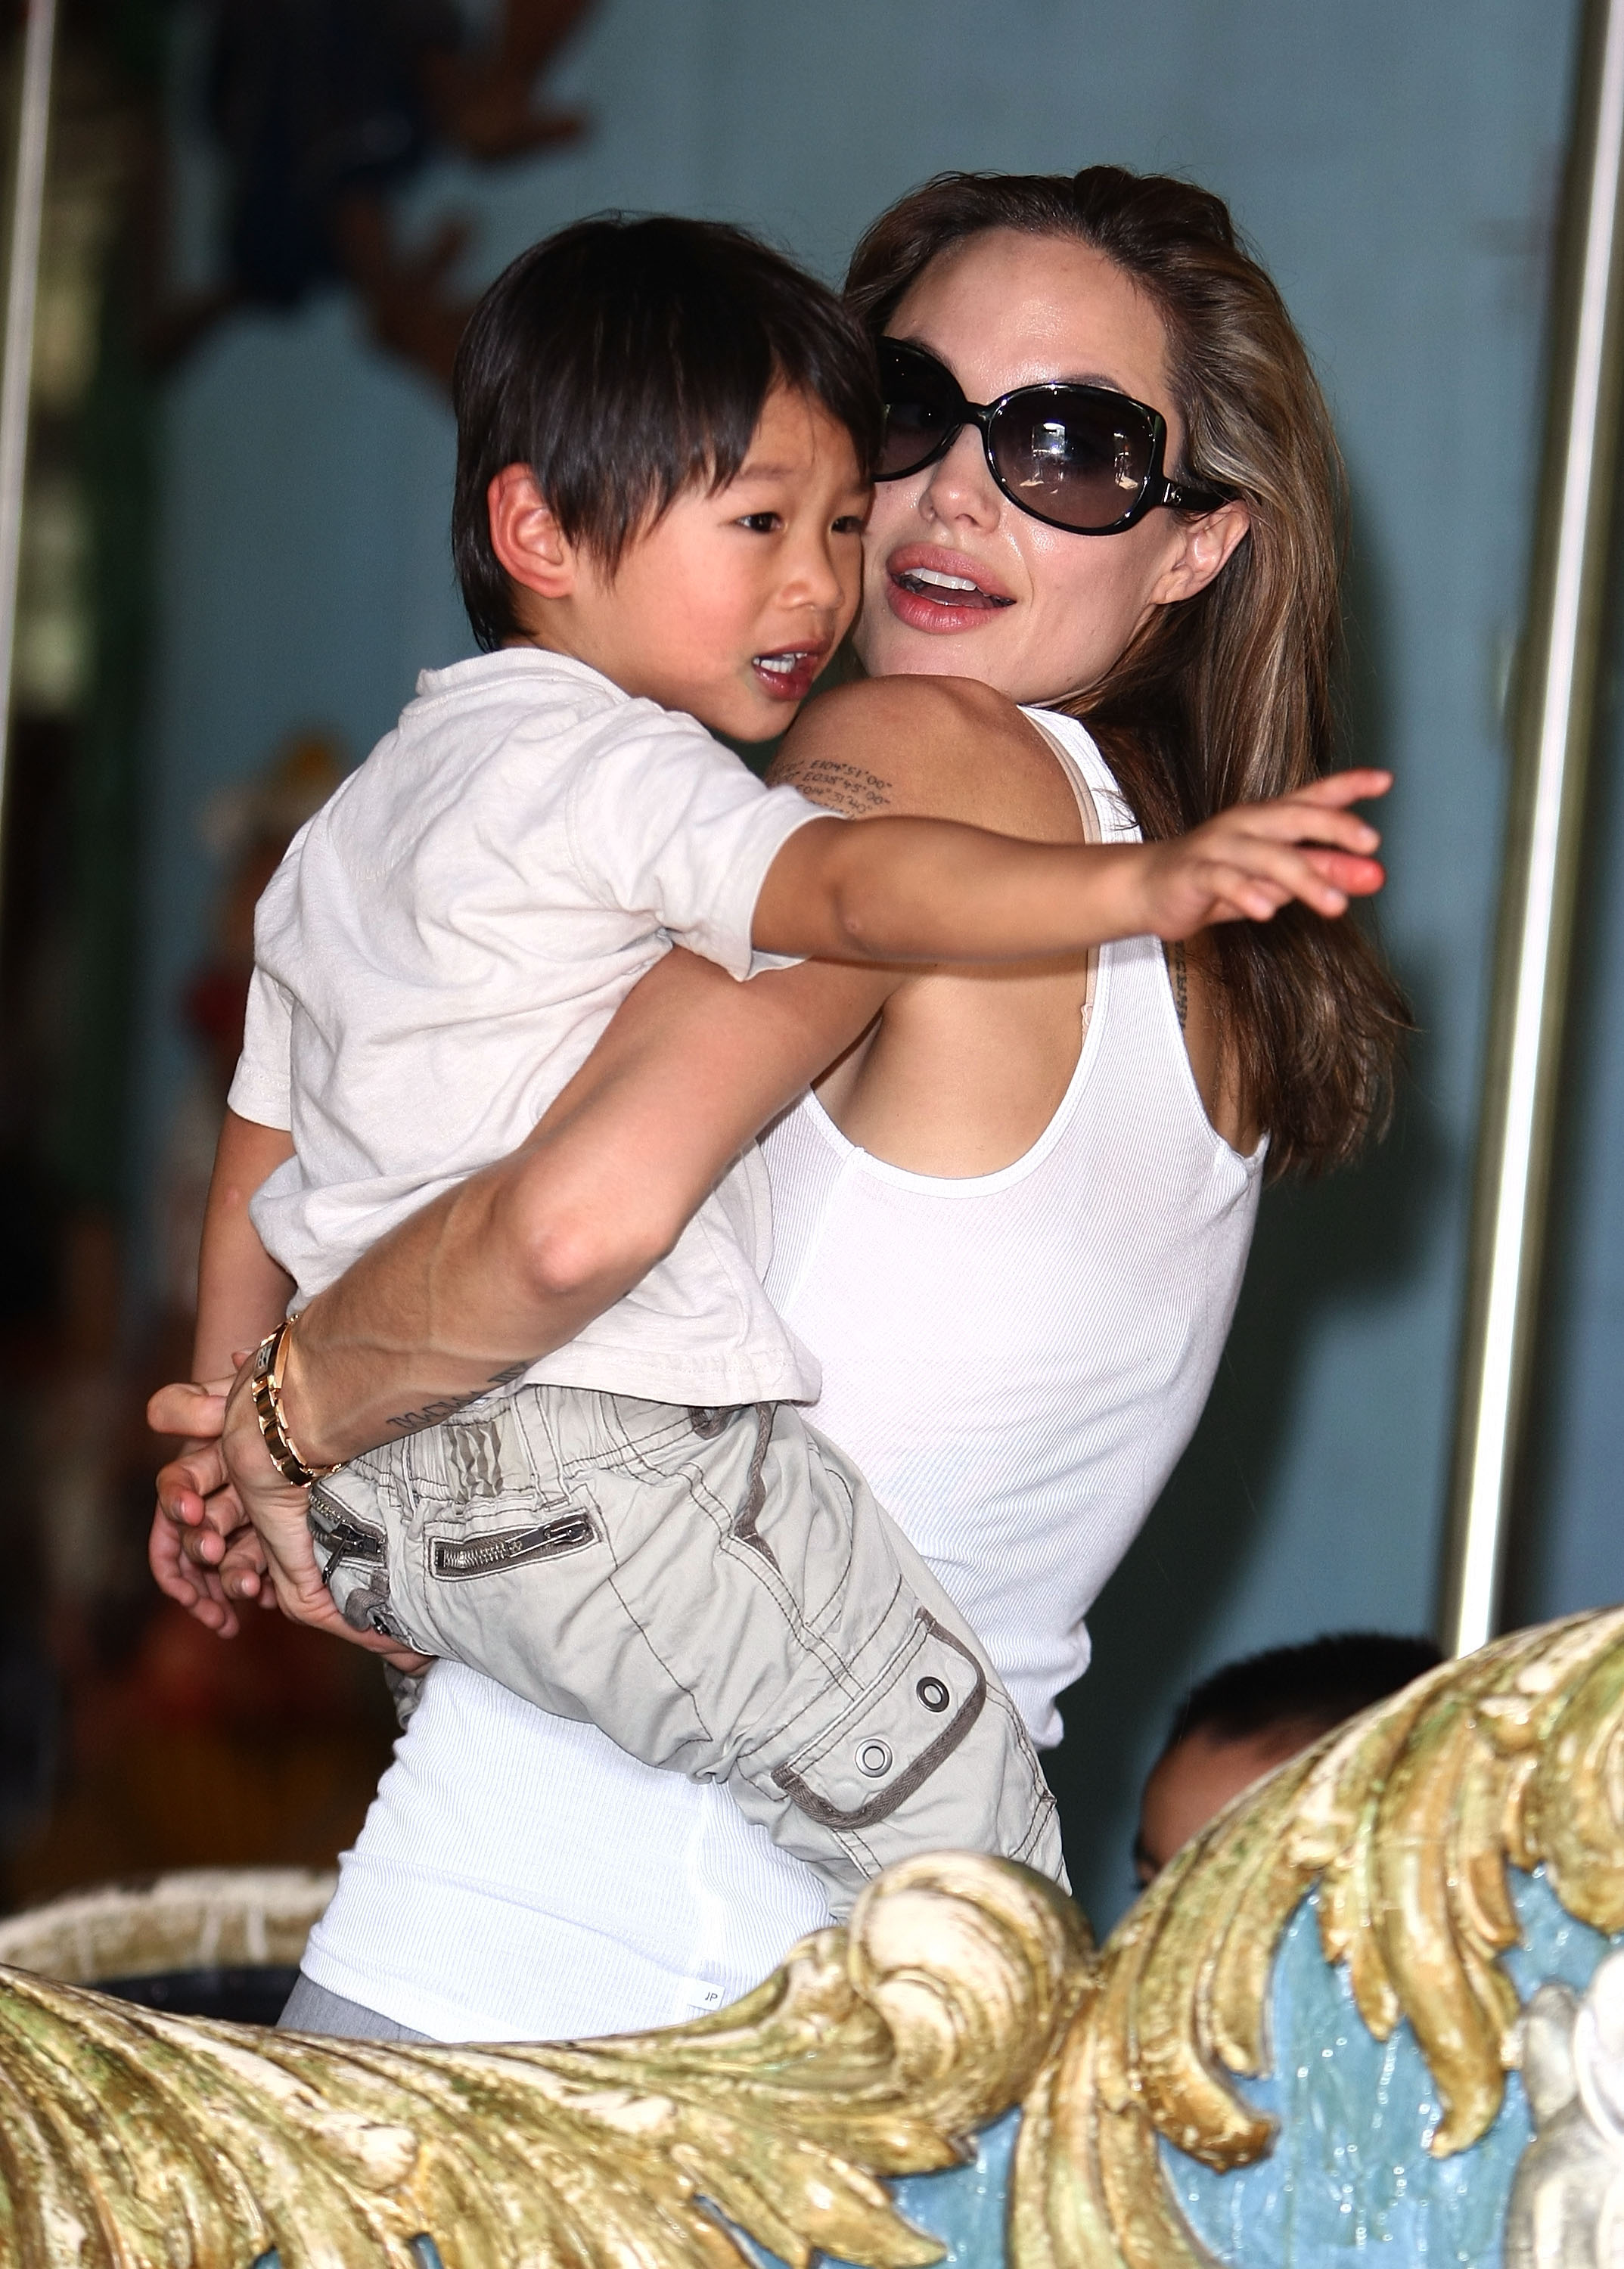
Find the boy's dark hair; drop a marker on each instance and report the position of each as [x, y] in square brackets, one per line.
[1312, 1687]
[624, 360]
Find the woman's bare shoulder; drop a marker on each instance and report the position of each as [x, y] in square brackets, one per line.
[943, 748]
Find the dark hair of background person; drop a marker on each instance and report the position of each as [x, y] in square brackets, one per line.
[1307, 1688]
[1227, 696]
[625, 360]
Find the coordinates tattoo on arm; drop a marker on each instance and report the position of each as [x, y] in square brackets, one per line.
[1178, 970]
[412, 1422]
[842, 786]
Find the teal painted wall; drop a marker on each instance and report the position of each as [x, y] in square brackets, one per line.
[1396, 166]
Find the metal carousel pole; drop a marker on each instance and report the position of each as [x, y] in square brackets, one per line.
[1561, 668]
[17, 359]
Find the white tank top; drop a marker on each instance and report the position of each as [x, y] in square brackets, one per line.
[1016, 1359]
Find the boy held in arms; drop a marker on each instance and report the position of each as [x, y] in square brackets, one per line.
[664, 435]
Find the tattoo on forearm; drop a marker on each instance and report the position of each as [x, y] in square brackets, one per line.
[431, 1414]
[826, 780]
[1178, 970]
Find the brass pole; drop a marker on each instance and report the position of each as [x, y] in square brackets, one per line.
[1555, 722]
[16, 361]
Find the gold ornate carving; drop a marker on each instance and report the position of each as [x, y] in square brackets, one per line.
[1407, 1819]
[962, 1986]
[130, 2138]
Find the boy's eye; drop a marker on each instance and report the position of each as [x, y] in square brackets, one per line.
[850, 523]
[760, 523]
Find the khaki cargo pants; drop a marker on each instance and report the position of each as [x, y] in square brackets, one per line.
[720, 1592]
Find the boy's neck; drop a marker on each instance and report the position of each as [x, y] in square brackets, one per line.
[550, 626]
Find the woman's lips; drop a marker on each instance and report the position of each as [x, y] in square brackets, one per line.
[789, 674]
[942, 591]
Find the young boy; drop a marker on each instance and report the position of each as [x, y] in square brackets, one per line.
[664, 433]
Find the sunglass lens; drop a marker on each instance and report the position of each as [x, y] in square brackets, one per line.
[1080, 459]
[922, 407]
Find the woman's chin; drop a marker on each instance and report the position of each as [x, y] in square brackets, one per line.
[890, 648]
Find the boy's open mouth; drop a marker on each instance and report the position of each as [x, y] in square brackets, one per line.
[788, 675]
[933, 590]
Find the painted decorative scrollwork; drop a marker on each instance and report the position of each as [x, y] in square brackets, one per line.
[128, 2137]
[962, 1986]
[1406, 1820]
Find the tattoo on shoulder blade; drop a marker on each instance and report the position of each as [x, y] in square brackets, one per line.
[432, 1414]
[843, 786]
[1178, 970]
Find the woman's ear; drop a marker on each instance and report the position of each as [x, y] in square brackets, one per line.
[1206, 545]
[531, 547]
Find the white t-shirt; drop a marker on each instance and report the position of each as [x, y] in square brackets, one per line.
[443, 944]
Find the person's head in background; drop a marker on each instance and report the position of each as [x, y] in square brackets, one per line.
[1250, 1716]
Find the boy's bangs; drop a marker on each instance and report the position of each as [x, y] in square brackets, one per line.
[626, 362]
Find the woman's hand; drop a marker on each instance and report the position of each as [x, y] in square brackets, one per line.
[277, 1511]
[1248, 861]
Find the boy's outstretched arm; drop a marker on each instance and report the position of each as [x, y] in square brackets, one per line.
[896, 890]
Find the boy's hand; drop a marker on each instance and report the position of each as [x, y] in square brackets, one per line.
[277, 1511]
[200, 1550]
[1253, 859]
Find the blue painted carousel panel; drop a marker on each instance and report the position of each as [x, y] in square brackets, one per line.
[965, 2207]
[1350, 2170]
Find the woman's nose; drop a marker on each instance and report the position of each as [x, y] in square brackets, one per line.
[959, 486]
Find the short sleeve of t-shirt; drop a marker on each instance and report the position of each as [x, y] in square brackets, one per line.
[260, 1087]
[664, 820]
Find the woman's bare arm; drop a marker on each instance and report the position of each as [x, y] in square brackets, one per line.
[520, 1258]
[507, 1265]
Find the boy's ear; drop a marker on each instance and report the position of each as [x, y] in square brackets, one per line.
[531, 547]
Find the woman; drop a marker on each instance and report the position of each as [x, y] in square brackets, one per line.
[1013, 1221]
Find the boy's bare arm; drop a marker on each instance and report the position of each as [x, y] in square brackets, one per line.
[903, 890]
[242, 1293]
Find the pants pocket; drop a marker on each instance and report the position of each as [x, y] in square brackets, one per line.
[902, 1732]
[353, 1554]
[456, 1557]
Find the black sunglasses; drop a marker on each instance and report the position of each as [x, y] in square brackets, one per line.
[1083, 458]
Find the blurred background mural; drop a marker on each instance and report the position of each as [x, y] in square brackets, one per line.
[264, 221]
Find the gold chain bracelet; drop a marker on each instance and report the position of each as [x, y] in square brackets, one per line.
[269, 1358]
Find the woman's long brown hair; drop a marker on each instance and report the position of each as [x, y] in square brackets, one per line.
[1226, 698]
